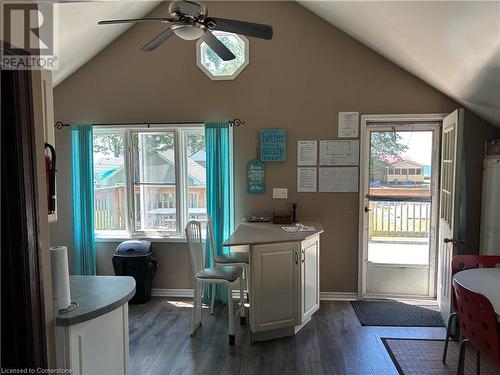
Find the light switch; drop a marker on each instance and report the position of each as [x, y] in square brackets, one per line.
[280, 193]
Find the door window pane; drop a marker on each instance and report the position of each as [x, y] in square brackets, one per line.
[399, 230]
[400, 163]
[109, 181]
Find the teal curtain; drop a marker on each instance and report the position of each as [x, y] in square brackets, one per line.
[83, 256]
[219, 151]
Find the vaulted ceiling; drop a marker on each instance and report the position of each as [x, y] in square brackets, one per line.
[80, 38]
[453, 46]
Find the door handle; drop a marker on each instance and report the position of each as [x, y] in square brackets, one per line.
[454, 242]
[303, 256]
[296, 257]
[367, 209]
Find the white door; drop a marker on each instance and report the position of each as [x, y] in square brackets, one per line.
[275, 286]
[399, 199]
[449, 212]
[309, 276]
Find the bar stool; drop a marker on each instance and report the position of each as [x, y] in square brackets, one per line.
[240, 259]
[225, 275]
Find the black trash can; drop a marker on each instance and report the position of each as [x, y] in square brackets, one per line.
[136, 258]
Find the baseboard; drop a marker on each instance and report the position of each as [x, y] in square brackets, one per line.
[159, 292]
[188, 293]
[183, 293]
[338, 296]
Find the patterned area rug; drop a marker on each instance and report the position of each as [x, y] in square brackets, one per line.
[397, 314]
[422, 357]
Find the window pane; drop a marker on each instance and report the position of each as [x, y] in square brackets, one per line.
[218, 67]
[109, 181]
[154, 158]
[155, 208]
[196, 175]
[154, 181]
[400, 163]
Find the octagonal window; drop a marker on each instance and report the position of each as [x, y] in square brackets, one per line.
[216, 68]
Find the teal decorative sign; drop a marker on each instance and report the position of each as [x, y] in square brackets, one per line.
[272, 144]
[255, 176]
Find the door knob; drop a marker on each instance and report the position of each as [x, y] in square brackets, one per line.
[367, 209]
[454, 242]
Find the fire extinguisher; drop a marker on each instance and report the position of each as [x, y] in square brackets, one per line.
[50, 175]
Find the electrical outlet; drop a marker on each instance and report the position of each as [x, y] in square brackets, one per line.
[280, 193]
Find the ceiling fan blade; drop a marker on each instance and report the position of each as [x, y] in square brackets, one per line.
[159, 39]
[134, 20]
[256, 30]
[217, 46]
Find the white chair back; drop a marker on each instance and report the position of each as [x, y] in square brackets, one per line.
[195, 245]
[212, 241]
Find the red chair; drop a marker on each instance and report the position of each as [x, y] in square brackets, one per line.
[460, 263]
[478, 325]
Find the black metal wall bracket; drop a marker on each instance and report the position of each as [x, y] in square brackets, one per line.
[60, 125]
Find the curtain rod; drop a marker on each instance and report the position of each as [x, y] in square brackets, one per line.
[235, 123]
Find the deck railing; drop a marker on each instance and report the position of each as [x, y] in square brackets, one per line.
[399, 219]
[109, 210]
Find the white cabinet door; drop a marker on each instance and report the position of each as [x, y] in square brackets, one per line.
[309, 277]
[275, 295]
[95, 347]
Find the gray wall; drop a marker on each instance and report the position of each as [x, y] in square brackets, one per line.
[297, 81]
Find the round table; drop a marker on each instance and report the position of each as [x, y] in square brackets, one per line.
[483, 280]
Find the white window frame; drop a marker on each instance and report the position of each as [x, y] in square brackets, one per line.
[223, 77]
[181, 192]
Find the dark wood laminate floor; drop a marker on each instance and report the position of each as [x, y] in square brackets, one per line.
[334, 342]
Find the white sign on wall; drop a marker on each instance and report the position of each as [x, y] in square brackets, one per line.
[307, 152]
[348, 125]
[338, 152]
[338, 179]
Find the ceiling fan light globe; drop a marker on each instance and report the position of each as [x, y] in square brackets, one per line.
[189, 32]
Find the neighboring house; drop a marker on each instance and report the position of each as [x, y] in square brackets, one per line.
[159, 200]
[200, 157]
[404, 171]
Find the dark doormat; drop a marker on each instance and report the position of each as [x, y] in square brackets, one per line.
[397, 314]
[421, 356]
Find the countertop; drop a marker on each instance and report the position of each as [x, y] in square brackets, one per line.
[264, 233]
[96, 295]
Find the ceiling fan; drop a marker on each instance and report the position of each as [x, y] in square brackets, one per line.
[189, 20]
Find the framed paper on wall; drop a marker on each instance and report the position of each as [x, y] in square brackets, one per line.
[273, 144]
[256, 176]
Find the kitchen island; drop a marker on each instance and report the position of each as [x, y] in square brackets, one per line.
[93, 338]
[283, 279]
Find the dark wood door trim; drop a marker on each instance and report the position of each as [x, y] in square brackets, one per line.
[23, 313]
